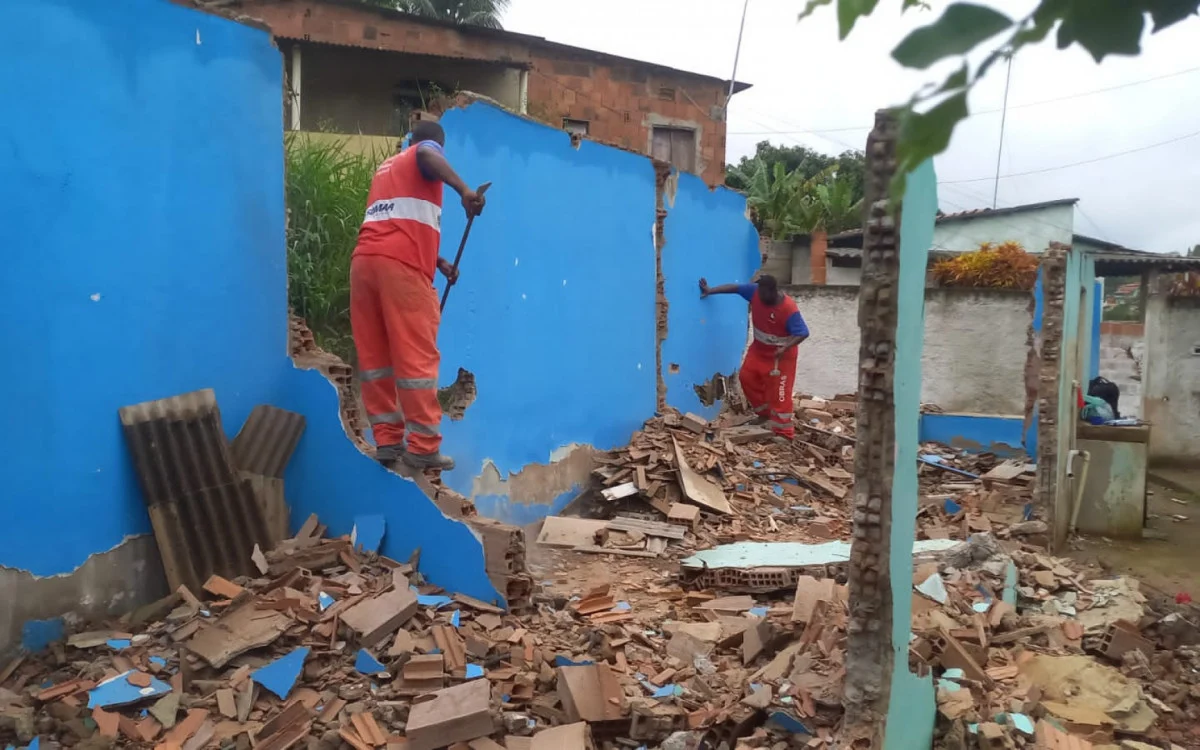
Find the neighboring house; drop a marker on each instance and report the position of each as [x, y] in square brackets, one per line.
[1034, 226]
[356, 68]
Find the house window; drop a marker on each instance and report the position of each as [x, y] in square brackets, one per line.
[575, 127]
[676, 146]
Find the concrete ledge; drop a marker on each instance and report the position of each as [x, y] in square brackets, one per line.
[108, 583]
[974, 433]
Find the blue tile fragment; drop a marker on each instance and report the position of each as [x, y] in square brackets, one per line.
[778, 490]
[36, 635]
[119, 644]
[325, 601]
[456, 618]
[117, 691]
[562, 661]
[474, 671]
[367, 664]
[951, 507]
[759, 611]
[368, 532]
[280, 675]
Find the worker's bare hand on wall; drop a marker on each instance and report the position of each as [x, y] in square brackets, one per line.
[703, 287]
[448, 270]
[473, 202]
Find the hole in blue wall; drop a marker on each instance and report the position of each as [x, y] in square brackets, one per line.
[456, 397]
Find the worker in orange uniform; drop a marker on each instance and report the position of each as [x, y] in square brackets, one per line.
[394, 309]
[769, 368]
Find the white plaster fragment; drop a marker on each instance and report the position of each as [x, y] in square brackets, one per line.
[95, 297]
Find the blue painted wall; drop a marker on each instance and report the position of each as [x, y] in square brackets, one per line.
[145, 251]
[146, 259]
[554, 312]
[707, 235]
[1097, 318]
[974, 433]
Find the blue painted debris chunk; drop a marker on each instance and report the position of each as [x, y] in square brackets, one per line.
[787, 723]
[368, 532]
[778, 490]
[759, 611]
[456, 618]
[562, 661]
[280, 675]
[367, 664]
[36, 635]
[117, 691]
[158, 661]
[951, 507]
[430, 600]
[1022, 722]
[325, 601]
[119, 644]
[474, 671]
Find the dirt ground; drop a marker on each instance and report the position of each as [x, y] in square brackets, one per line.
[1168, 559]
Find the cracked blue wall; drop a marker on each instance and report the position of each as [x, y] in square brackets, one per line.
[147, 259]
[554, 311]
[707, 235]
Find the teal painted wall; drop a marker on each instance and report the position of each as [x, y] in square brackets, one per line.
[911, 710]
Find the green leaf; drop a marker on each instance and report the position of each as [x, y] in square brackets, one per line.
[810, 7]
[1103, 27]
[956, 80]
[926, 135]
[1168, 12]
[960, 28]
[849, 11]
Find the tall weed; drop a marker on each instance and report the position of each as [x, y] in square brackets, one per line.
[327, 186]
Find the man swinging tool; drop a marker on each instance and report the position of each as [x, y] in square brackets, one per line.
[394, 309]
[769, 368]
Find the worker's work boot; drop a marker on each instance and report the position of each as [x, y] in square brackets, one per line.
[428, 461]
[386, 454]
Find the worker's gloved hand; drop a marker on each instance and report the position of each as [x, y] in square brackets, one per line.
[703, 288]
[473, 203]
[448, 270]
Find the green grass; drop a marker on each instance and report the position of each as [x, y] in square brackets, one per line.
[327, 187]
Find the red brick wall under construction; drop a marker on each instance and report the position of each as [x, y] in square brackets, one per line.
[622, 103]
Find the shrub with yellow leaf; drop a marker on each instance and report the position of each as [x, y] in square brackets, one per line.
[1002, 266]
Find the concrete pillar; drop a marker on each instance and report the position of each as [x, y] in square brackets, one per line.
[294, 84]
[1155, 405]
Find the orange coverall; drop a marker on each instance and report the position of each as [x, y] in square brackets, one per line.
[394, 311]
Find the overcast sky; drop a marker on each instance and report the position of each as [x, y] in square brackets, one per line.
[804, 80]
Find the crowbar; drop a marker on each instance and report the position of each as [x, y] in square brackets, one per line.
[458, 256]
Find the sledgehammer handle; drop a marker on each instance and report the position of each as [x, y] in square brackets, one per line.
[461, 245]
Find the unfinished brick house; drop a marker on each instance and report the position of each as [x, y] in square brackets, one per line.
[355, 68]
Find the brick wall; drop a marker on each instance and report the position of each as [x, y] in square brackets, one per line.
[623, 102]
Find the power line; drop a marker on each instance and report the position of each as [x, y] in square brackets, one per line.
[1076, 163]
[988, 111]
[1003, 120]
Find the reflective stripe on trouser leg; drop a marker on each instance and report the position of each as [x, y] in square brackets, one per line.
[374, 353]
[780, 420]
[411, 312]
